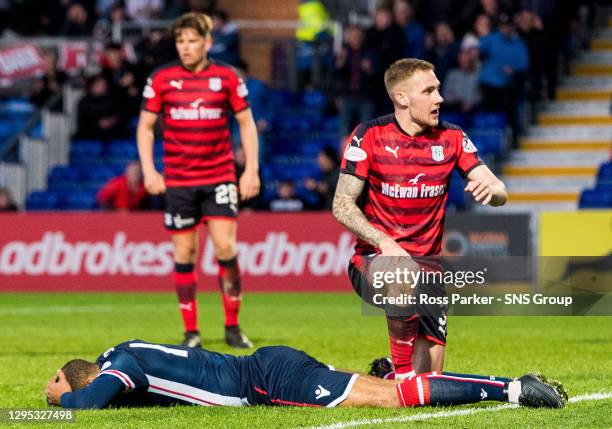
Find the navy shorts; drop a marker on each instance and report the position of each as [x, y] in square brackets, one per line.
[285, 376]
[186, 206]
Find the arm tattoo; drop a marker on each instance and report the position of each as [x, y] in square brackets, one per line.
[346, 212]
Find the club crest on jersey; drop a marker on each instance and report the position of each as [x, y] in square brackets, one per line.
[437, 153]
[214, 84]
[355, 154]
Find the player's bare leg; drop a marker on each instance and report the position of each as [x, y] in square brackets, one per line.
[428, 356]
[185, 281]
[454, 389]
[223, 235]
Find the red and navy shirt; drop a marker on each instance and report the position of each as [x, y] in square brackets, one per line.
[407, 179]
[194, 109]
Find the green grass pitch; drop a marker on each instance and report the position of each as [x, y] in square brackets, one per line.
[39, 332]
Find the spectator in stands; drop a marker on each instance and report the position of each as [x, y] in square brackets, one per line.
[325, 187]
[144, 10]
[414, 33]
[124, 192]
[286, 200]
[481, 27]
[226, 40]
[505, 60]
[387, 39]
[314, 42]
[50, 84]
[443, 54]
[478, 8]
[78, 21]
[155, 49]
[429, 13]
[356, 67]
[461, 89]
[98, 113]
[531, 30]
[113, 64]
[6, 201]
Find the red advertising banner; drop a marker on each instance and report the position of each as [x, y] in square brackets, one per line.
[133, 252]
[19, 62]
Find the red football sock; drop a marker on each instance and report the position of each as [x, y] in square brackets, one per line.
[414, 392]
[229, 284]
[185, 284]
[402, 337]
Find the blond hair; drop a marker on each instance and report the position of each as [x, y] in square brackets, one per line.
[200, 22]
[402, 70]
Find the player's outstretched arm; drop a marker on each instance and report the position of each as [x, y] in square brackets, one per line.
[346, 212]
[486, 187]
[145, 137]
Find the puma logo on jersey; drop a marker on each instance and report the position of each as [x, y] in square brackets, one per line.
[196, 104]
[393, 151]
[178, 84]
[357, 140]
[415, 180]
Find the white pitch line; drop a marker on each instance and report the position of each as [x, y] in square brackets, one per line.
[442, 414]
[82, 309]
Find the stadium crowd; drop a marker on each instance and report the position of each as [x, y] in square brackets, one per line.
[470, 43]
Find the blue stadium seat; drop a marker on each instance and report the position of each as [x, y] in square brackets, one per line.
[123, 149]
[489, 120]
[80, 201]
[595, 199]
[6, 129]
[97, 173]
[86, 151]
[458, 118]
[42, 200]
[488, 140]
[313, 99]
[331, 123]
[64, 177]
[604, 175]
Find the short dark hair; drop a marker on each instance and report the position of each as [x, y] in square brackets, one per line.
[77, 371]
[199, 22]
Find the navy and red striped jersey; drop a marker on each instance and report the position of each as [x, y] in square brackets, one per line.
[194, 109]
[407, 179]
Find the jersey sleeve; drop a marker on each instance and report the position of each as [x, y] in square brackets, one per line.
[97, 395]
[122, 366]
[357, 153]
[151, 95]
[467, 155]
[237, 93]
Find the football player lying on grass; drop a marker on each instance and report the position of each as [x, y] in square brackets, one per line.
[139, 373]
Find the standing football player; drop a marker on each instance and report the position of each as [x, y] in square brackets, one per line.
[392, 193]
[195, 97]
